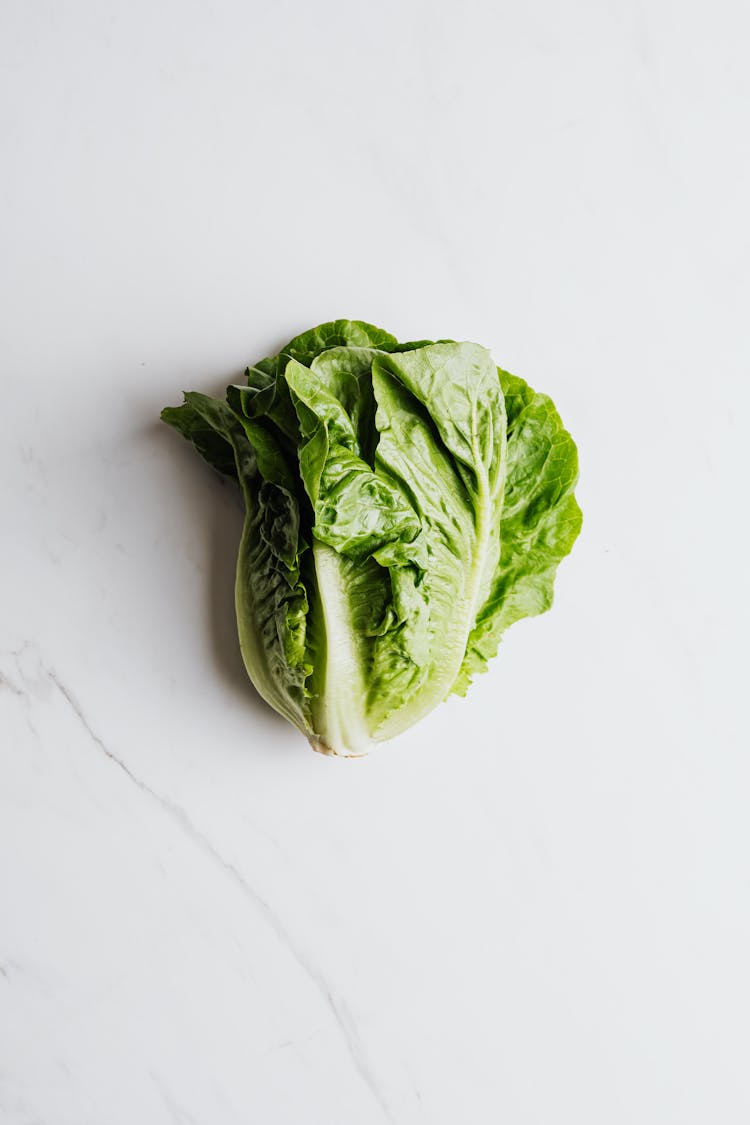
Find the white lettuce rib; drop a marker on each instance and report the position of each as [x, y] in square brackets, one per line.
[339, 718]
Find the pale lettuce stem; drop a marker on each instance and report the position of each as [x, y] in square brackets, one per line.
[338, 713]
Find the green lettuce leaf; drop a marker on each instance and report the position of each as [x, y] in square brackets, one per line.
[540, 521]
[270, 595]
[441, 421]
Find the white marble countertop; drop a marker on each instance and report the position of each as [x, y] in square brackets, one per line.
[533, 909]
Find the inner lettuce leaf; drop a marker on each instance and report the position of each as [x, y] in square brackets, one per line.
[405, 504]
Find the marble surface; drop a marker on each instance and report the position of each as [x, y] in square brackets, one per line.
[534, 908]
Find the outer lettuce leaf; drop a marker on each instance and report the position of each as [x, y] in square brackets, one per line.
[441, 420]
[540, 521]
[271, 598]
[205, 422]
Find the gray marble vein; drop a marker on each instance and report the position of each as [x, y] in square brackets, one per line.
[177, 1113]
[335, 1004]
[8, 684]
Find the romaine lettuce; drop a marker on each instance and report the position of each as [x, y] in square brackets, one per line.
[404, 504]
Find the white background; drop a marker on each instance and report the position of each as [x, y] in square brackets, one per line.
[534, 908]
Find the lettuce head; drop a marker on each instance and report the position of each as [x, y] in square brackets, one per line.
[404, 504]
